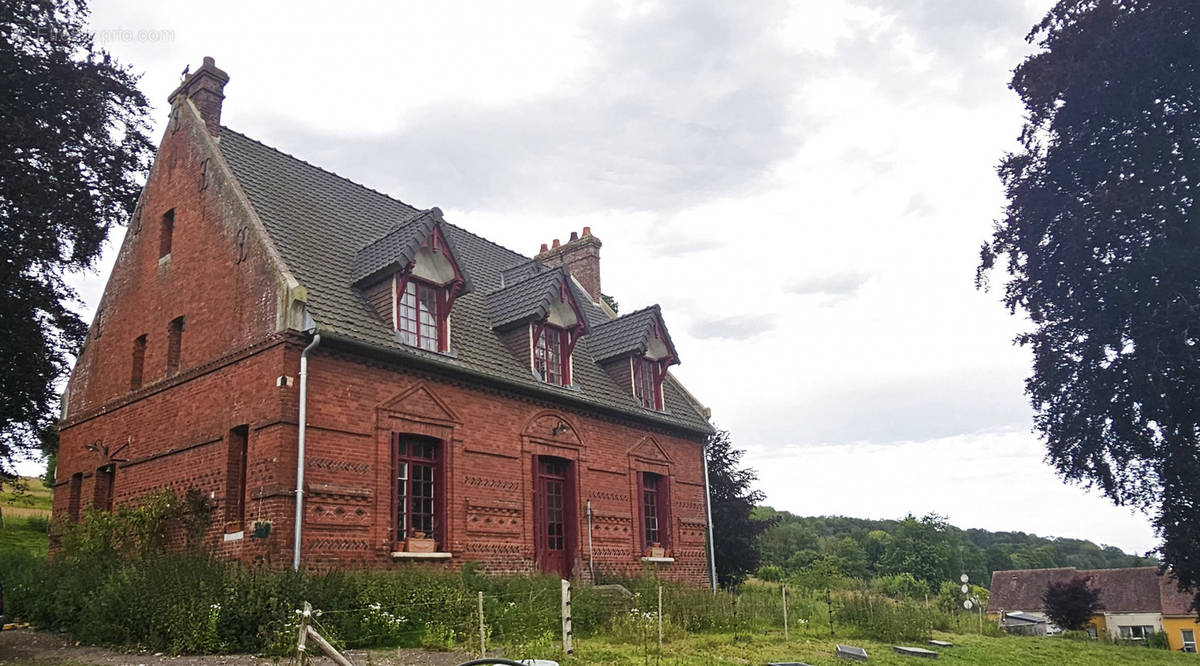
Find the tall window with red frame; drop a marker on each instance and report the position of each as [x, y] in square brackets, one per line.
[548, 359]
[419, 315]
[417, 486]
[655, 524]
[647, 382]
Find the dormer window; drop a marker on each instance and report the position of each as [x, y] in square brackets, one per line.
[636, 351]
[549, 362]
[411, 278]
[420, 316]
[647, 382]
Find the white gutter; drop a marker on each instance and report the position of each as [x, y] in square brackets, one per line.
[300, 449]
[712, 546]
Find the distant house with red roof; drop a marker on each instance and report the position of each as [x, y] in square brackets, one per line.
[1137, 602]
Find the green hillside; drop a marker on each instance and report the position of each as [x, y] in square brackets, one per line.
[24, 516]
[927, 548]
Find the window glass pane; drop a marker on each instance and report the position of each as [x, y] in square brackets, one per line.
[650, 508]
[417, 316]
[539, 355]
[417, 472]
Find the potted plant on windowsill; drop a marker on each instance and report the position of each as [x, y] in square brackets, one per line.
[262, 529]
[656, 550]
[419, 543]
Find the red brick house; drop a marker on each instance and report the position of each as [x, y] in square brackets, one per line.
[293, 344]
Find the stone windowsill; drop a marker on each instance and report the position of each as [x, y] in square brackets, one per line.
[658, 560]
[402, 555]
[235, 536]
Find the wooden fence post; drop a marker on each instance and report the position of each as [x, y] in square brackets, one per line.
[482, 635]
[568, 648]
[783, 590]
[301, 644]
[660, 619]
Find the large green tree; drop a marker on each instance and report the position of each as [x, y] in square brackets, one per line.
[1101, 243]
[733, 499]
[74, 144]
[923, 548]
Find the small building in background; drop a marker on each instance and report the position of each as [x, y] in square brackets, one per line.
[1138, 602]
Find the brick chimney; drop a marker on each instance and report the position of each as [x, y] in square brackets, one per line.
[205, 87]
[581, 256]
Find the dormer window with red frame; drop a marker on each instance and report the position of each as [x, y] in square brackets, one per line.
[649, 370]
[647, 381]
[554, 339]
[419, 316]
[425, 293]
[549, 362]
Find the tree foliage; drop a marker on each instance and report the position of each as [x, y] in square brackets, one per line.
[735, 529]
[1070, 604]
[1101, 242]
[925, 548]
[74, 141]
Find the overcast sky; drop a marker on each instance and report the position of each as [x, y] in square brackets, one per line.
[803, 187]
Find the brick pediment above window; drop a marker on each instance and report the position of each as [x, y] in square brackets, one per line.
[419, 402]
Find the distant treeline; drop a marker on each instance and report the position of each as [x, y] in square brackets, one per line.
[929, 549]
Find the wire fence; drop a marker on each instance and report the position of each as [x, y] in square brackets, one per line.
[542, 622]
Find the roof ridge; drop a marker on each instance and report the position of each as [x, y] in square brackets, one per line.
[619, 317]
[306, 163]
[561, 270]
[492, 243]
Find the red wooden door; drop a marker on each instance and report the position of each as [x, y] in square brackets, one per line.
[555, 515]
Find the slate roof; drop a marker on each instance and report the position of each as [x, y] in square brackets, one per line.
[627, 334]
[320, 221]
[527, 300]
[1132, 590]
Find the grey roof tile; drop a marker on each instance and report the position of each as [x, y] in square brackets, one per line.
[320, 221]
[627, 334]
[527, 300]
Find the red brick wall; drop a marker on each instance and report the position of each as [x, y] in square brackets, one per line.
[175, 436]
[492, 437]
[218, 275]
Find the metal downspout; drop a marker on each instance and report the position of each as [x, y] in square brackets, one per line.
[591, 565]
[300, 449]
[712, 546]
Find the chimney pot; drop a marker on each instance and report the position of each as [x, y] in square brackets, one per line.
[580, 256]
[545, 249]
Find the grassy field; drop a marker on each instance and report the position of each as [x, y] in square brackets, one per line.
[25, 516]
[817, 650]
[36, 497]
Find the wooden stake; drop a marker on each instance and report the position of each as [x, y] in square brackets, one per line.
[482, 635]
[660, 619]
[301, 644]
[328, 649]
[568, 648]
[783, 590]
